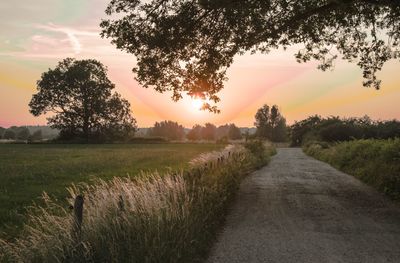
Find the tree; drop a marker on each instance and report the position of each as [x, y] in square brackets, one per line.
[9, 135]
[208, 132]
[270, 123]
[79, 93]
[187, 46]
[195, 133]
[23, 134]
[167, 129]
[335, 129]
[300, 129]
[222, 131]
[280, 132]
[36, 136]
[2, 130]
[234, 132]
[263, 122]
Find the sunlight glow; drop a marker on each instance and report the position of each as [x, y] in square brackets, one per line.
[197, 103]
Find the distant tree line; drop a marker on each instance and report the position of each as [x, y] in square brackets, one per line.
[336, 129]
[23, 133]
[167, 129]
[211, 132]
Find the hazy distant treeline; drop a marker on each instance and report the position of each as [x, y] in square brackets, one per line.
[164, 131]
[209, 132]
[28, 133]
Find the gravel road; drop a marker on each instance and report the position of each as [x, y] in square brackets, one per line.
[298, 209]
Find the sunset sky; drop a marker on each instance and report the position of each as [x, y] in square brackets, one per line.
[35, 35]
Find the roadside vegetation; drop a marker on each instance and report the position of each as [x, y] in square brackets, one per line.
[375, 162]
[335, 129]
[367, 149]
[156, 217]
[28, 170]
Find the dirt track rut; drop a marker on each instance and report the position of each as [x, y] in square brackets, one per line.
[298, 209]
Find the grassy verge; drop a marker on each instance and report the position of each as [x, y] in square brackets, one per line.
[375, 162]
[150, 218]
[28, 170]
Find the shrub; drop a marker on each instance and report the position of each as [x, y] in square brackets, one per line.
[335, 129]
[258, 148]
[376, 162]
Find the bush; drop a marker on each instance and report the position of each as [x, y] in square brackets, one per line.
[376, 162]
[152, 218]
[258, 148]
[335, 129]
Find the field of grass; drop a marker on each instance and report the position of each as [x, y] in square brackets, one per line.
[375, 162]
[173, 217]
[28, 170]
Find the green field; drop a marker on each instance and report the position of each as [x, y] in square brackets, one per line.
[28, 170]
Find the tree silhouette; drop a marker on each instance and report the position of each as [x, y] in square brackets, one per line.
[2, 130]
[167, 129]
[234, 132]
[187, 46]
[208, 132]
[9, 135]
[79, 93]
[270, 123]
[195, 133]
[36, 136]
[23, 133]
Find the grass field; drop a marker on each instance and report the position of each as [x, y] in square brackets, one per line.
[28, 170]
[171, 218]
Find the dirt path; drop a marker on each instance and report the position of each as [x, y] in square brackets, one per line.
[298, 209]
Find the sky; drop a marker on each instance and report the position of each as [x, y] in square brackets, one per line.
[35, 35]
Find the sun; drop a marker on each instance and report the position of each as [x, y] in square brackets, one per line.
[197, 103]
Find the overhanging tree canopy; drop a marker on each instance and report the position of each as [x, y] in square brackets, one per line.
[186, 46]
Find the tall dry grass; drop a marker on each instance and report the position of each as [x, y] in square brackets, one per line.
[149, 218]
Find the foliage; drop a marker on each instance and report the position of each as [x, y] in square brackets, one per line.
[27, 170]
[234, 132]
[229, 131]
[36, 136]
[376, 162]
[187, 46]
[46, 132]
[167, 129]
[23, 134]
[79, 93]
[270, 124]
[222, 131]
[208, 132]
[258, 149]
[334, 129]
[169, 218]
[9, 134]
[195, 133]
[2, 130]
